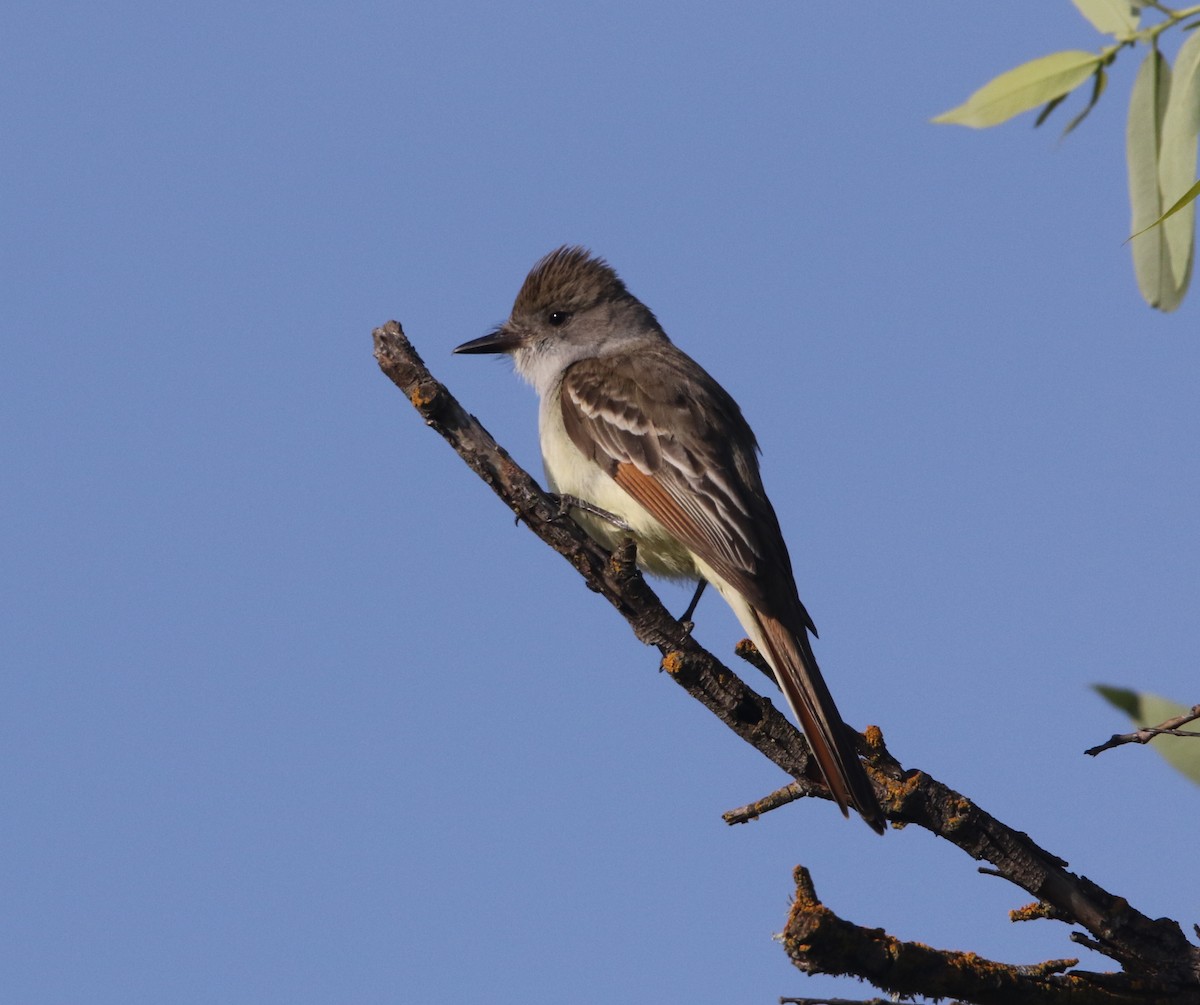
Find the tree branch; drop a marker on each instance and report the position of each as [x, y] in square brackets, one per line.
[1155, 954]
[1148, 733]
[772, 801]
[818, 941]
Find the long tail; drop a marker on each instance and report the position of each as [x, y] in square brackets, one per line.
[791, 658]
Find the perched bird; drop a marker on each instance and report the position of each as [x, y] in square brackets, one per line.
[645, 444]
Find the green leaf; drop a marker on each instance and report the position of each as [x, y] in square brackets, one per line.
[1188, 197]
[1100, 81]
[1143, 138]
[1025, 87]
[1177, 158]
[1044, 114]
[1122, 699]
[1181, 752]
[1118, 18]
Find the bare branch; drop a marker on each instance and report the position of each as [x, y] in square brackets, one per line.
[1148, 733]
[818, 941]
[752, 811]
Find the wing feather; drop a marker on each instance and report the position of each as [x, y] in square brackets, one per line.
[660, 427]
[677, 444]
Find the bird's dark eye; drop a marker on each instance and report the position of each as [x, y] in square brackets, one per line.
[559, 318]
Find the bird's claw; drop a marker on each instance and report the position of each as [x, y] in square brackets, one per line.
[566, 503]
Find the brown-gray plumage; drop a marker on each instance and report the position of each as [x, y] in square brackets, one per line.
[636, 427]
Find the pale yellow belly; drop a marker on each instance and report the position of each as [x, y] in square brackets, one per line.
[570, 473]
[658, 551]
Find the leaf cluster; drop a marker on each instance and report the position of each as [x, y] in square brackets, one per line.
[1161, 132]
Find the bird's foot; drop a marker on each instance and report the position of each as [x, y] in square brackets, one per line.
[685, 618]
[566, 503]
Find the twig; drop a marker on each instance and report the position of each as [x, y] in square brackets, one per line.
[1147, 733]
[748, 651]
[752, 811]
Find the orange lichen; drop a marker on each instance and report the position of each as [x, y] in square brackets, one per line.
[900, 789]
[420, 398]
[672, 663]
[957, 811]
[1030, 912]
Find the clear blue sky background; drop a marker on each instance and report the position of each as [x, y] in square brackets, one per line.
[291, 711]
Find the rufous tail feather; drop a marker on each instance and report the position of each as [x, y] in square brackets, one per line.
[791, 658]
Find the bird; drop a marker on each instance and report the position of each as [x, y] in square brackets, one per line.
[640, 441]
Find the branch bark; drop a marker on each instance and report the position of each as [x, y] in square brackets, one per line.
[1159, 963]
[1147, 733]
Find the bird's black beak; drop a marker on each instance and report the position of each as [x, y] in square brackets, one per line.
[502, 339]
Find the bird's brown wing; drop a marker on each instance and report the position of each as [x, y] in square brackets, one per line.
[661, 428]
[678, 444]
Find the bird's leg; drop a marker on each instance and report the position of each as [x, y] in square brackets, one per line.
[686, 620]
[567, 503]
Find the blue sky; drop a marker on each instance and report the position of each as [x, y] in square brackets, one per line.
[292, 711]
